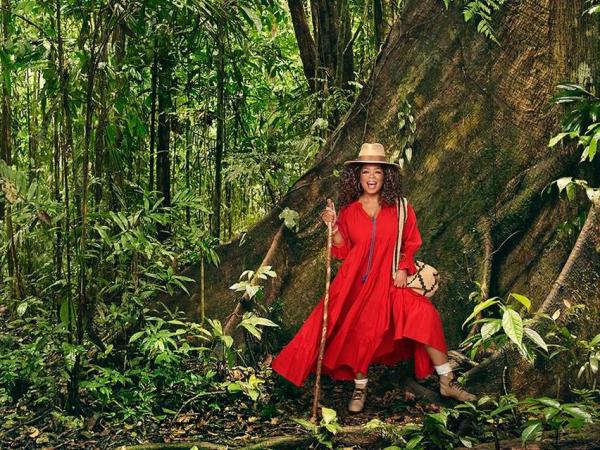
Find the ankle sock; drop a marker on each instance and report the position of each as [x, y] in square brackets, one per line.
[444, 369]
[360, 383]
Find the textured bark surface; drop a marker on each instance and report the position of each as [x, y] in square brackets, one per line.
[483, 123]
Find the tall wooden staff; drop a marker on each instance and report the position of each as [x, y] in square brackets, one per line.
[324, 329]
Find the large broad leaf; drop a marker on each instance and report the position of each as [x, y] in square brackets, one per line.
[490, 328]
[513, 326]
[536, 338]
[480, 307]
[531, 431]
[65, 317]
[578, 413]
[549, 402]
[522, 299]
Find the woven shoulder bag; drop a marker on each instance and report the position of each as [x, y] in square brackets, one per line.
[426, 279]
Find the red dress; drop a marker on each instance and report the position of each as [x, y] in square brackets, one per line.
[369, 319]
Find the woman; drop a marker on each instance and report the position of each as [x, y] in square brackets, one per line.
[372, 317]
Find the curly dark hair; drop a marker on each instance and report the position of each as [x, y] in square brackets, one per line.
[350, 188]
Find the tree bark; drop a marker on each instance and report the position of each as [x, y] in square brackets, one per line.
[165, 106]
[306, 43]
[6, 154]
[377, 23]
[154, 84]
[451, 76]
[220, 144]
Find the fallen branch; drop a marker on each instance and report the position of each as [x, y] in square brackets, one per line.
[175, 446]
[282, 441]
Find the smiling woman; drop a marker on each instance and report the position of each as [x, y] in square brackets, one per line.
[374, 317]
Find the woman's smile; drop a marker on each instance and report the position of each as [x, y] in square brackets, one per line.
[371, 178]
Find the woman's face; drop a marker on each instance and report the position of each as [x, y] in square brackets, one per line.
[371, 178]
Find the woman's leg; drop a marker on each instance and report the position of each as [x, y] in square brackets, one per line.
[438, 358]
[357, 401]
[448, 387]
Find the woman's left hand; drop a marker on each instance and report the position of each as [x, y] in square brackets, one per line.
[401, 276]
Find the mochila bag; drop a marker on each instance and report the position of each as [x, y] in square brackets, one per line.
[426, 279]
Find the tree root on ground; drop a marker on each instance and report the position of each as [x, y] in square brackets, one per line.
[586, 438]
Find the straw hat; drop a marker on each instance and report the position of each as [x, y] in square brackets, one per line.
[372, 153]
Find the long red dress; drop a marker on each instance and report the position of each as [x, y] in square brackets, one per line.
[369, 321]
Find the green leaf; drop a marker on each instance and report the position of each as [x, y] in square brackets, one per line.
[467, 443]
[595, 341]
[136, 336]
[227, 340]
[234, 387]
[306, 424]
[328, 414]
[563, 182]
[488, 329]
[578, 413]
[513, 326]
[64, 312]
[593, 147]
[536, 338]
[522, 299]
[251, 329]
[549, 402]
[22, 308]
[480, 307]
[531, 431]
[556, 139]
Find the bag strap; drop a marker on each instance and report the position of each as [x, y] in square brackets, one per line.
[402, 215]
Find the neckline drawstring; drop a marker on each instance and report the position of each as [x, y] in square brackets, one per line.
[371, 244]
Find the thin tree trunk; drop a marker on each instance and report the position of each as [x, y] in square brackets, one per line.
[84, 311]
[163, 164]
[6, 154]
[188, 150]
[67, 152]
[154, 84]
[306, 43]
[57, 197]
[377, 23]
[100, 138]
[220, 144]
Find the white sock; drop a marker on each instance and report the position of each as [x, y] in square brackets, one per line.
[360, 383]
[444, 369]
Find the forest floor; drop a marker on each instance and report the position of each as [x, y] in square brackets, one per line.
[234, 425]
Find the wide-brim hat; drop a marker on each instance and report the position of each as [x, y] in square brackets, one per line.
[373, 153]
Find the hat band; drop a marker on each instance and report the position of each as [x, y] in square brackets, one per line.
[371, 158]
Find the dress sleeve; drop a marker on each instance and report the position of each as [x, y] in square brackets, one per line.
[341, 251]
[411, 241]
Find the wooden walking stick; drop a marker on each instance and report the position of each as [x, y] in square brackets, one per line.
[317, 393]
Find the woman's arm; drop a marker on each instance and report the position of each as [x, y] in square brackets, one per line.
[411, 241]
[341, 240]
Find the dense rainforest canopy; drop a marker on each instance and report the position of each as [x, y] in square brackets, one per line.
[163, 167]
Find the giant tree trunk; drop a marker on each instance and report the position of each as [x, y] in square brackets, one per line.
[480, 156]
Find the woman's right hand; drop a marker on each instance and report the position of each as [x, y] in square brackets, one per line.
[329, 214]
